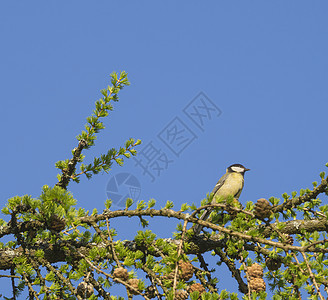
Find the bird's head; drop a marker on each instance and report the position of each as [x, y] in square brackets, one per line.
[238, 168]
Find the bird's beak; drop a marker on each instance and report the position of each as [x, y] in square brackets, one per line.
[247, 170]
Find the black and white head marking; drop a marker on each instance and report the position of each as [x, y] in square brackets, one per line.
[237, 168]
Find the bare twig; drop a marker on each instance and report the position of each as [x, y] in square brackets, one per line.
[203, 265]
[10, 276]
[234, 271]
[248, 280]
[112, 247]
[12, 272]
[179, 254]
[30, 288]
[312, 276]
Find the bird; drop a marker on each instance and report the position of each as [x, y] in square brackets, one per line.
[230, 184]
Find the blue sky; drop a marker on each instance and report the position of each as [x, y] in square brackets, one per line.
[263, 65]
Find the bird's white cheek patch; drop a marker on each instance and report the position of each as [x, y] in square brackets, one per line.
[237, 169]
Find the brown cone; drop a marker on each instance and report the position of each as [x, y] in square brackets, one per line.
[273, 264]
[56, 223]
[289, 239]
[186, 270]
[262, 209]
[134, 282]
[255, 270]
[197, 287]
[84, 289]
[150, 292]
[257, 285]
[121, 273]
[181, 295]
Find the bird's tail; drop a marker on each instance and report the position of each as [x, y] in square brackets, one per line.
[197, 228]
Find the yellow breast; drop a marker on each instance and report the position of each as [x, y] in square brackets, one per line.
[232, 186]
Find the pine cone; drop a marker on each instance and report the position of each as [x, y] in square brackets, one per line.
[262, 209]
[181, 295]
[134, 282]
[186, 270]
[257, 285]
[121, 273]
[85, 290]
[289, 239]
[150, 292]
[255, 271]
[273, 264]
[56, 223]
[196, 287]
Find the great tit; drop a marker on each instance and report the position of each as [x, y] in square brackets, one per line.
[231, 183]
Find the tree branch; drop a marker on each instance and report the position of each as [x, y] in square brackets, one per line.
[67, 173]
[291, 203]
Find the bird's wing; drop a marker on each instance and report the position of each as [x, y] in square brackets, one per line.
[219, 183]
[207, 212]
[238, 194]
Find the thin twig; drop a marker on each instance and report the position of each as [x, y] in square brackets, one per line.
[112, 247]
[312, 276]
[99, 288]
[153, 277]
[60, 276]
[248, 280]
[179, 253]
[10, 276]
[204, 265]
[198, 274]
[30, 288]
[12, 272]
[38, 274]
[234, 271]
